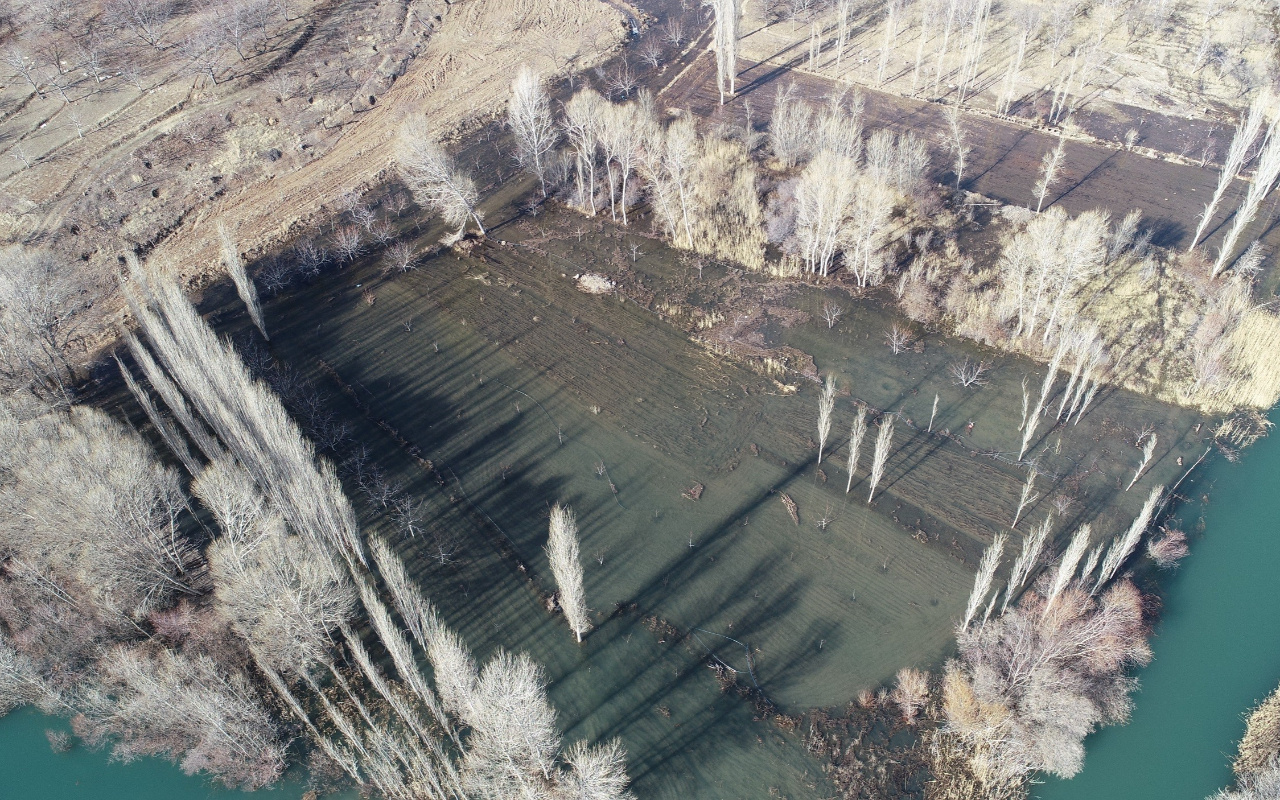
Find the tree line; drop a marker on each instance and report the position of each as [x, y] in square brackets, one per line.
[216, 617]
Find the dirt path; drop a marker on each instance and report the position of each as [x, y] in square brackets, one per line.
[1005, 161]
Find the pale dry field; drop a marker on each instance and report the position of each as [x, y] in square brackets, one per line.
[147, 160]
[1184, 58]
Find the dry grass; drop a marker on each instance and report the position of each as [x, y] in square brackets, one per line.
[728, 223]
[1157, 314]
[1261, 743]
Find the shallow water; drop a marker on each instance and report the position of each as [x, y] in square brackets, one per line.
[517, 387]
[33, 771]
[1217, 649]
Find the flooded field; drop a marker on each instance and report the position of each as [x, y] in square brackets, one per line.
[487, 386]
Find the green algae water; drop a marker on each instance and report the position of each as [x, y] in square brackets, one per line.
[1217, 648]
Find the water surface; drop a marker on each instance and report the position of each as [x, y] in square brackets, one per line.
[1217, 649]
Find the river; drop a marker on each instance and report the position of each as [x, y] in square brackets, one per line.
[1217, 649]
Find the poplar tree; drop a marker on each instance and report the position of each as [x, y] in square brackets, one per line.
[566, 566]
[884, 440]
[244, 286]
[725, 42]
[826, 403]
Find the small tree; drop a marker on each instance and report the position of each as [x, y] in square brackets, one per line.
[831, 313]
[400, 257]
[1148, 450]
[566, 566]
[1049, 166]
[826, 403]
[856, 434]
[435, 180]
[1029, 495]
[347, 242]
[982, 581]
[910, 692]
[884, 440]
[956, 142]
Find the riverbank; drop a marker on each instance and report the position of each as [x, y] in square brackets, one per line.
[1217, 647]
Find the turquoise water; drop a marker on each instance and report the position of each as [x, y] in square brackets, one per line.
[33, 771]
[1217, 649]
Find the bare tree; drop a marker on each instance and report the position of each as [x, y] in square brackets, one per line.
[669, 164]
[933, 414]
[898, 338]
[673, 31]
[1029, 494]
[1049, 166]
[790, 127]
[1033, 419]
[202, 46]
[884, 440]
[513, 743]
[831, 313]
[824, 195]
[1246, 134]
[164, 425]
[248, 419]
[1148, 450]
[529, 117]
[1264, 180]
[400, 257]
[244, 286]
[956, 142]
[651, 51]
[1123, 546]
[155, 701]
[566, 565]
[1032, 548]
[596, 773]
[891, 8]
[1067, 564]
[86, 502]
[1009, 89]
[582, 122]
[347, 242]
[1029, 686]
[865, 229]
[725, 40]
[983, 580]
[857, 433]
[826, 404]
[146, 19]
[42, 304]
[843, 10]
[969, 373]
[623, 131]
[435, 181]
